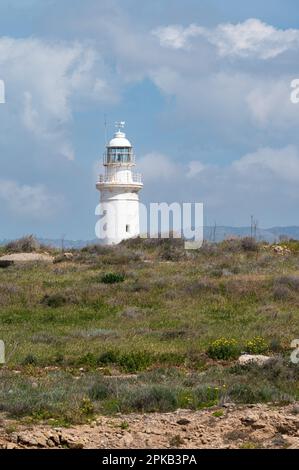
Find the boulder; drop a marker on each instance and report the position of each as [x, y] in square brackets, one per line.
[257, 359]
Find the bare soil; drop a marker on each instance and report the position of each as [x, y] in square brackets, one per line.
[27, 257]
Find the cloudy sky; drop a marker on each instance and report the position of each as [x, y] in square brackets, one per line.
[204, 87]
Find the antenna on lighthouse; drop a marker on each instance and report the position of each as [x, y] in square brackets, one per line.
[105, 127]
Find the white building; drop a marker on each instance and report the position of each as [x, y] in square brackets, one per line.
[119, 188]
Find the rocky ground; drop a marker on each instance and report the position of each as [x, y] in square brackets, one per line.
[256, 426]
[27, 257]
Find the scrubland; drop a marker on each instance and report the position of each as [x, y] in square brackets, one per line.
[147, 327]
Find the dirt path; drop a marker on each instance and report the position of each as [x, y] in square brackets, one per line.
[230, 427]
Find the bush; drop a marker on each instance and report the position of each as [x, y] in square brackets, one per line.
[30, 359]
[223, 348]
[86, 408]
[281, 293]
[257, 345]
[88, 359]
[6, 263]
[54, 300]
[25, 245]
[109, 357]
[99, 391]
[112, 278]
[135, 361]
[243, 393]
[291, 282]
[130, 362]
[148, 399]
[171, 252]
[249, 244]
[207, 396]
[232, 245]
[96, 249]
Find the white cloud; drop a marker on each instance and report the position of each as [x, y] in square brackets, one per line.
[35, 202]
[176, 36]
[157, 166]
[279, 163]
[194, 168]
[262, 183]
[45, 80]
[269, 103]
[252, 38]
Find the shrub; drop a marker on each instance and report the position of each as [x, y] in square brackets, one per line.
[26, 244]
[218, 413]
[6, 263]
[244, 393]
[249, 244]
[275, 345]
[112, 278]
[257, 345]
[135, 361]
[291, 282]
[281, 293]
[44, 338]
[217, 272]
[108, 357]
[87, 407]
[231, 245]
[150, 399]
[88, 359]
[99, 391]
[30, 359]
[207, 396]
[223, 348]
[172, 253]
[54, 300]
[170, 358]
[186, 399]
[95, 249]
[59, 358]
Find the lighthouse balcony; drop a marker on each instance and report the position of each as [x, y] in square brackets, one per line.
[129, 179]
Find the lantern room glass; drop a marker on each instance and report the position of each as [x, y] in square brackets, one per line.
[119, 155]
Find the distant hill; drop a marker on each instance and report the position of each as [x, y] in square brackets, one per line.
[210, 233]
[269, 234]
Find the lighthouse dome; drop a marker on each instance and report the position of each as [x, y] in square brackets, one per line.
[119, 140]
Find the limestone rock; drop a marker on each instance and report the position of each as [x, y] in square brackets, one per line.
[257, 359]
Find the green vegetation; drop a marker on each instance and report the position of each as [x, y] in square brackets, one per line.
[112, 278]
[153, 327]
[256, 345]
[224, 349]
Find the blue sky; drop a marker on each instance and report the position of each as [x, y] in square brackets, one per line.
[204, 87]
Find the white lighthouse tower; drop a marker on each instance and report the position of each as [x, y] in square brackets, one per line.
[119, 188]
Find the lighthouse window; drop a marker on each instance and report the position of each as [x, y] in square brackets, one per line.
[127, 228]
[119, 155]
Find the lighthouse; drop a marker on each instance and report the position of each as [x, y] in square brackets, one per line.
[119, 190]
